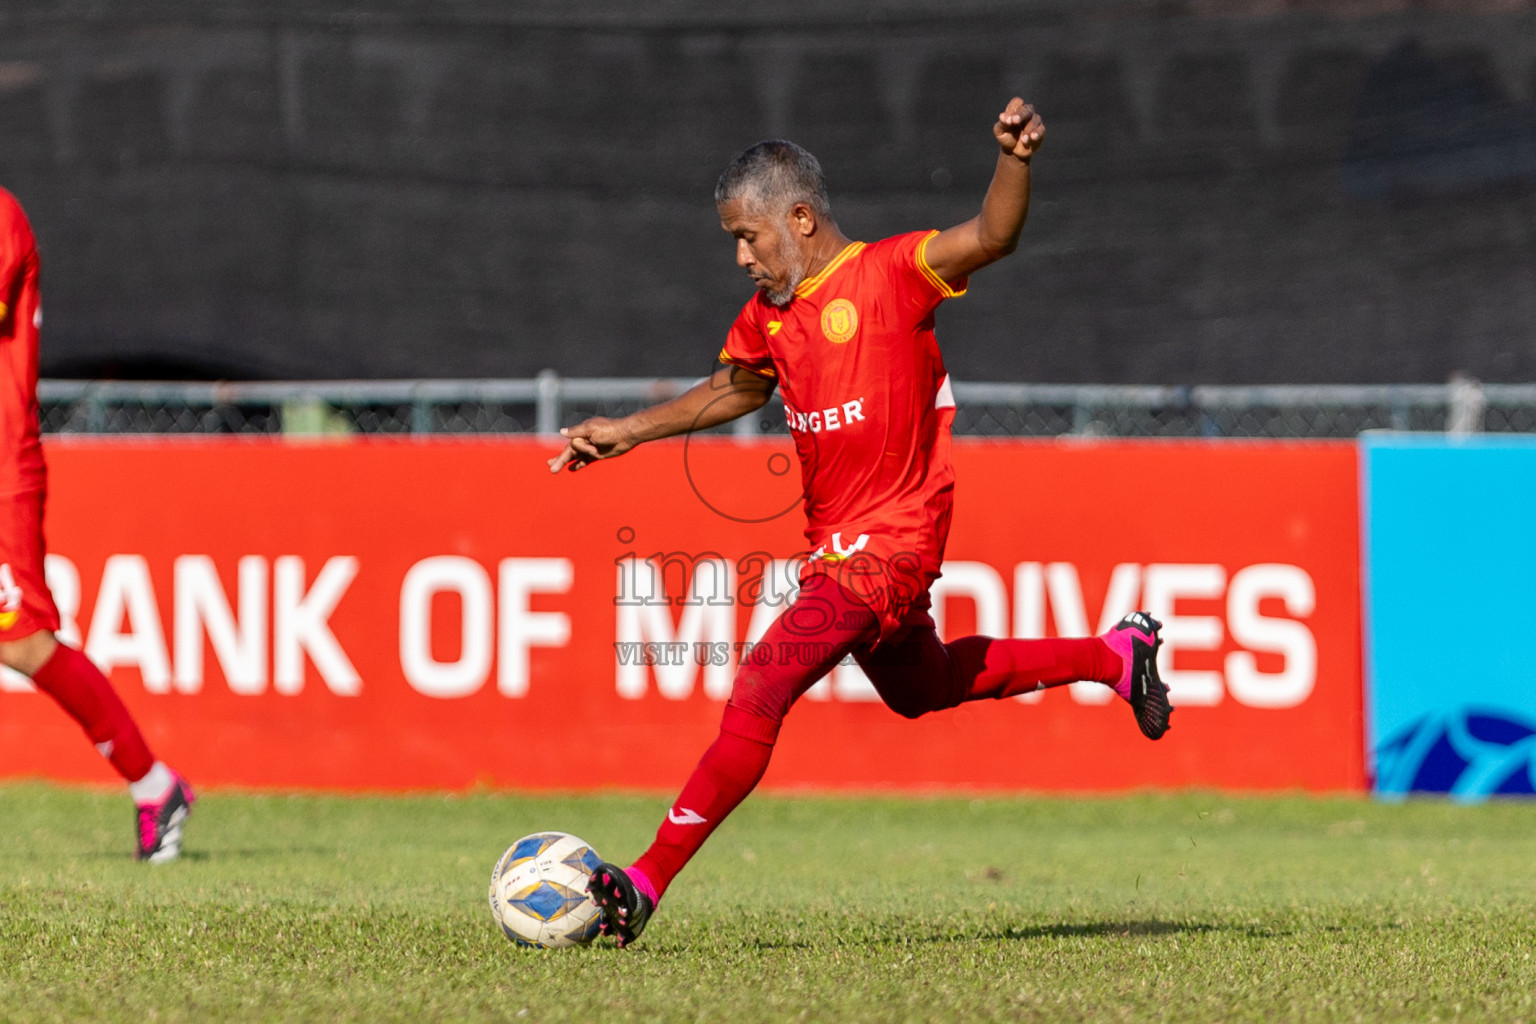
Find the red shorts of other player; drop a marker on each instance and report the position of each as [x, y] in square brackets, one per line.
[26, 606]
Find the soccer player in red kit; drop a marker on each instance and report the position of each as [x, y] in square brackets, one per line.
[28, 618]
[844, 330]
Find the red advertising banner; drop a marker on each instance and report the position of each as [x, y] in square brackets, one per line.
[406, 614]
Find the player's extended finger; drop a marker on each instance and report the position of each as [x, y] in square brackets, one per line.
[557, 463]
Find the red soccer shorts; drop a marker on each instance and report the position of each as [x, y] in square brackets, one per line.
[890, 574]
[26, 606]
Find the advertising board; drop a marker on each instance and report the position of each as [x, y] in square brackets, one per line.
[1451, 556]
[443, 614]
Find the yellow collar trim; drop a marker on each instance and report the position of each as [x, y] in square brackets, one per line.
[810, 284]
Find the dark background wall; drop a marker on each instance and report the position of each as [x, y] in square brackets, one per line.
[234, 188]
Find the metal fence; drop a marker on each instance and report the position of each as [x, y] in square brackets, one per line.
[544, 404]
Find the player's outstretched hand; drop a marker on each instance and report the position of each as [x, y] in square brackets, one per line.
[1019, 129]
[589, 441]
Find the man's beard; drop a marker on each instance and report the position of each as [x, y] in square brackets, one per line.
[780, 297]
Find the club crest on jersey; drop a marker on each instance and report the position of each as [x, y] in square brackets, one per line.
[839, 321]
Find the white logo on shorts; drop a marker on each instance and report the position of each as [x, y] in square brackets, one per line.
[10, 593]
[838, 551]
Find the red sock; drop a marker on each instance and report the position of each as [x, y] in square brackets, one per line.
[727, 772]
[1006, 668]
[84, 693]
[918, 674]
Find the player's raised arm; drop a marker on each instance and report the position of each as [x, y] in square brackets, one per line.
[728, 393]
[994, 233]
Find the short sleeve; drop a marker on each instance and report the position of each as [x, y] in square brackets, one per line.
[745, 344]
[909, 264]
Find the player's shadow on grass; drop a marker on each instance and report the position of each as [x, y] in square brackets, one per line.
[203, 856]
[1133, 929]
[263, 853]
[1108, 929]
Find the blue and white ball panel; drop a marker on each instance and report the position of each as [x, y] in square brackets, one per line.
[587, 932]
[584, 859]
[530, 847]
[547, 901]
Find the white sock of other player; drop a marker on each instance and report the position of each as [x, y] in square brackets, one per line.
[154, 786]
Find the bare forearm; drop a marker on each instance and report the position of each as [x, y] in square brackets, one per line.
[994, 232]
[709, 403]
[728, 393]
[1005, 208]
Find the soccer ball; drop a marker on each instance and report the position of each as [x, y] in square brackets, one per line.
[539, 891]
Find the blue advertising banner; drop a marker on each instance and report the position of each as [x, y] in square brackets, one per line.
[1450, 592]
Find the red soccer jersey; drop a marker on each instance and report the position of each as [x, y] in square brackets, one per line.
[21, 453]
[868, 403]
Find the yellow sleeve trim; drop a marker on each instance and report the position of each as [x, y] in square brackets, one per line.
[944, 287]
[726, 357]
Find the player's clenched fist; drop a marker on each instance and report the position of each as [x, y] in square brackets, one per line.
[590, 440]
[1019, 129]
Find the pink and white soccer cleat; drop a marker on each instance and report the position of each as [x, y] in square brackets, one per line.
[160, 822]
[1135, 639]
[626, 907]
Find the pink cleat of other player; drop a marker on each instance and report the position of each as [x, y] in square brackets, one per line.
[162, 815]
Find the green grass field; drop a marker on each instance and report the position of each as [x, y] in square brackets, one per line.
[1193, 907]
